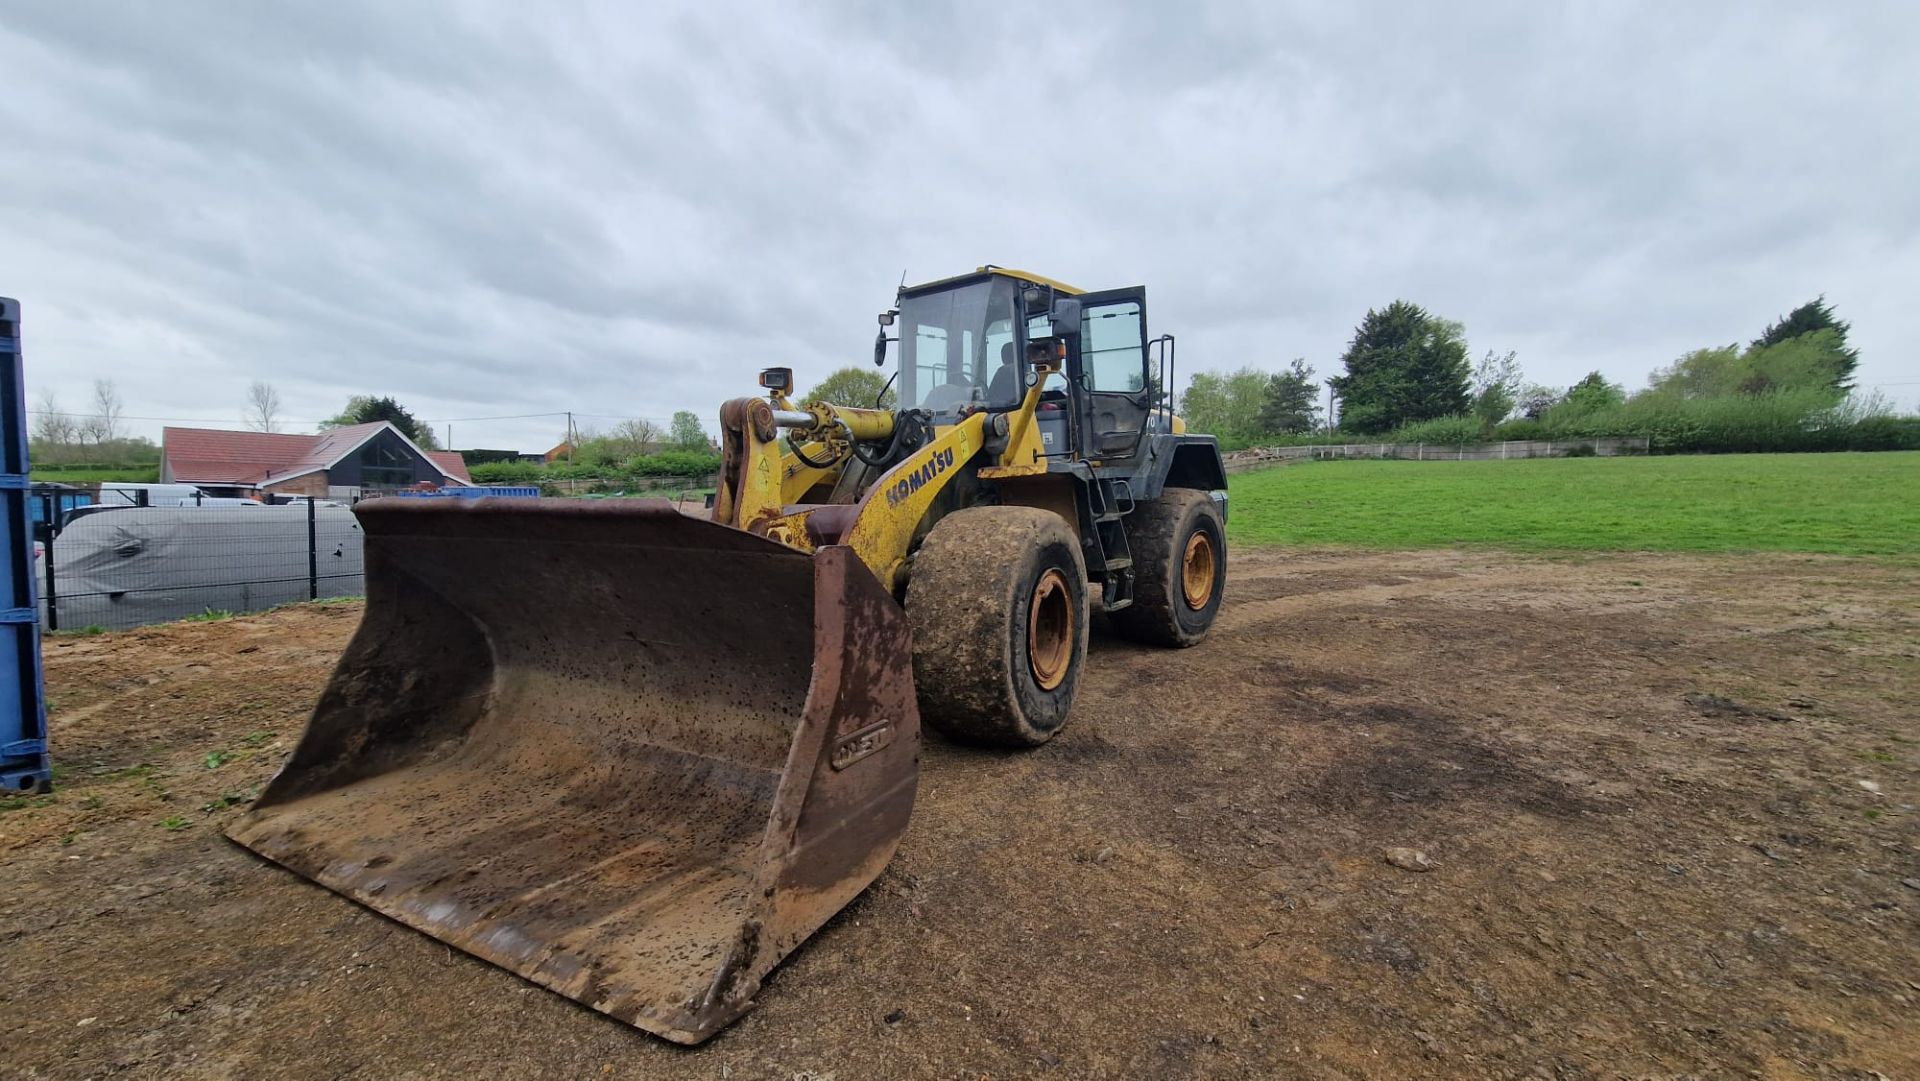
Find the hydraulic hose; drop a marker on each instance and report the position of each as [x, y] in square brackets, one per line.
[793, 444]
[911, 420]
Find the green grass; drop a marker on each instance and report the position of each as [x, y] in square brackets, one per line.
[136, 475]
[1852, 504]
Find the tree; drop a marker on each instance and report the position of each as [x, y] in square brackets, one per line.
[1816, 359]
[1496, 382]
[1592, 394]
[104, 425]
[1702, 373]
[263, 407]
[857, 387]
[1403, 365]
[364, 409]
[1227, 406]
[1535, 400]
[50, 425]
[1291, 401]
[686, 433]
[629, 439]
[636, 436]
[1811, 361]
[1809, 318]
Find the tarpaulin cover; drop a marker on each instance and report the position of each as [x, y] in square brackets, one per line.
[124, 568]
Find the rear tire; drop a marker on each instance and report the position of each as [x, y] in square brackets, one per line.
[1179, 545]
[998, 604]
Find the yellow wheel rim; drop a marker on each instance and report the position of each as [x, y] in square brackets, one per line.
[1050, 630]
[1197, 571]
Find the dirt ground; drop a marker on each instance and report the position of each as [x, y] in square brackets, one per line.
[1668, 803]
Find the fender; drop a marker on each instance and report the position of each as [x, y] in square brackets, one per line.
[1180, 461]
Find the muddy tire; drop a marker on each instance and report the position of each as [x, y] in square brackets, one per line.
[1179, 544]
[998, 604]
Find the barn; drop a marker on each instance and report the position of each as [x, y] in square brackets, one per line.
[340, 463]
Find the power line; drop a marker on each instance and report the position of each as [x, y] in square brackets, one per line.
[606, 416]
[517, 416]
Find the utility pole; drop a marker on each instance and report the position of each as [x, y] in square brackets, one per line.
[449, 437]
[569, 437]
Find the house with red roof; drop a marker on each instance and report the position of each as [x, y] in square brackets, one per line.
[339, 463]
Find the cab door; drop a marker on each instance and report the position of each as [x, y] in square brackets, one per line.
[1111, 390]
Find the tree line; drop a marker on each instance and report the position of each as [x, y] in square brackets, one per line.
[1408, 378]
[96, 439]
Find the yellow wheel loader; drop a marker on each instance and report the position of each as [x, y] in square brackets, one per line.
[638, 757]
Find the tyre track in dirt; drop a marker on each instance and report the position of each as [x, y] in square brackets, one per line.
[1638, 777]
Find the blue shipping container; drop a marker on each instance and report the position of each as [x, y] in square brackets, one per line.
[50, 503]
[459, 491]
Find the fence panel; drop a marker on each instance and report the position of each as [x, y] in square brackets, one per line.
[1255, 457]
[131, 565]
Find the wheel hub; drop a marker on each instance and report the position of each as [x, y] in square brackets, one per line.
[1050, 630]
[1197, 571]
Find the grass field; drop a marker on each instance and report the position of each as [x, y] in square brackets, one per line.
[1857, 504]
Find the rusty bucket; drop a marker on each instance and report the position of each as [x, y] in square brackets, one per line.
[632, 756]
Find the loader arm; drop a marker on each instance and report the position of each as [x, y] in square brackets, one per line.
[758, 480]
[893, 509]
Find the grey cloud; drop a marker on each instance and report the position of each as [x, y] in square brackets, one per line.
[491, 209]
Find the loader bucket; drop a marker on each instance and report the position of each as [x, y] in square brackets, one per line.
[632, 756]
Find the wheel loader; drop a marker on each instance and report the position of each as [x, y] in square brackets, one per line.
[638, 757]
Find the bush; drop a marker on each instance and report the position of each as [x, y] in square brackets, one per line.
[1454, 431]
[693, 464]
[675, 463]
[1807, 419]
[1884, 433]
[101, 474]
[576, 470]
[506, 473]
[1521, 430]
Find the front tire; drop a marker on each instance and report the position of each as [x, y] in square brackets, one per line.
[1179, 545]
[998, 604]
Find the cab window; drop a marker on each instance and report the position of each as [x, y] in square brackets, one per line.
[1111, 353]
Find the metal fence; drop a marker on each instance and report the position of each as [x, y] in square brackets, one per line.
[126, 565]
[1255, 457]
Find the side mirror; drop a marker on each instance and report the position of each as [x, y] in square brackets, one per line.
[1065, 317]
[880, 350]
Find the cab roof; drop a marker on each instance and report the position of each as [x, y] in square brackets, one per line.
[986, 271]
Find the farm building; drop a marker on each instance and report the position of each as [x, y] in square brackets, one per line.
[341, 463]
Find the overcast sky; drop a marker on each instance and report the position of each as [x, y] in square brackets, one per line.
[491, 209]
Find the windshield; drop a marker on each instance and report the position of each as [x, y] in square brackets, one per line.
[957, 348]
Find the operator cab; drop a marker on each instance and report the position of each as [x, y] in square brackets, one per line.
[973, 342]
